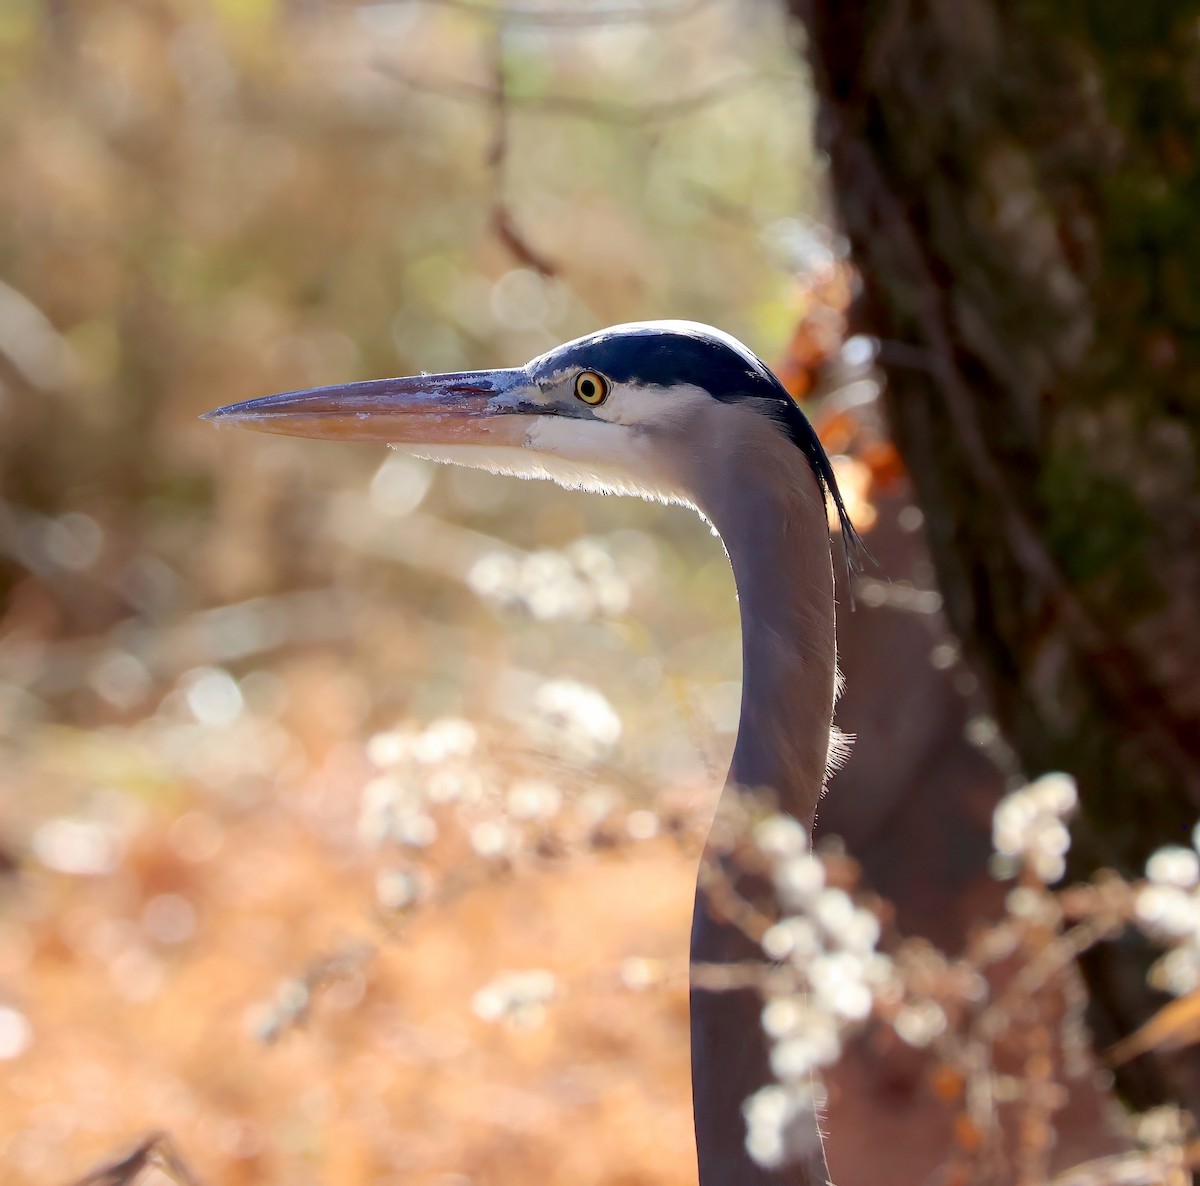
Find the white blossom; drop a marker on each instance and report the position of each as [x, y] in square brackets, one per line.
[834, 911]
[454, 784]
[575, 584]
[784, 1016]
[16, 1034]
[1174, 866]
[213, 696]
[1177, 972]
[1028, 825]
[781, 836]
[639, 974]
[781, 1124]
[839, 985]
[799, 879]
[388, 749]
[533, 799]
[799, 1054]
[861, 932]
[518, 997]
[791, 938]
[491, 838]
[393, 809]
[920, 1023]
[642, 825]
[78, 846]
[494, 576]
[1168, 910]
[444, 739]
[577, 718]
[397, 889]
[416, 829]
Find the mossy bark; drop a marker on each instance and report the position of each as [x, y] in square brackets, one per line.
[1020, 184]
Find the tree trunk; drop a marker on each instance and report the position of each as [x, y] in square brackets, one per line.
[1020, 185]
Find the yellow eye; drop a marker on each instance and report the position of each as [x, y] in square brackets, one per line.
[591, 387]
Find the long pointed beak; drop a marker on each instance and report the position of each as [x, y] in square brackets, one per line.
[470, 407]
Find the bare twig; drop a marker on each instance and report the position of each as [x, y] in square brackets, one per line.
[497, 96]
[1055, 957]
[497, 156]
[157, 1150]
[289, 1009]
[504, 223]
[510, 234]
[225, 634]
[577, 107]
[574, 18]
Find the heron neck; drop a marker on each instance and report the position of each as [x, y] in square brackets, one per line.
[771, 518]
[766, 506]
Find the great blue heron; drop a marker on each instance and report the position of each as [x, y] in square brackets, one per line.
[682, 413]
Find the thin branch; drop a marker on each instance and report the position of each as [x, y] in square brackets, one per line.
[552, 19]
[1056, 957]
[507, 230]
[577, 107]
[497, 156]
[156, 1150]
[504, 222]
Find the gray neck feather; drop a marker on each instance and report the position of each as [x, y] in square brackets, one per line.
[788, 657]
[758, 493]
[766, 506]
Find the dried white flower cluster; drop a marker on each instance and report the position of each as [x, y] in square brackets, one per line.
[519, 998]
[577, 584]
[779, 1124]
[1167, 908]
[828, 943]
[424, 770]
[1028, 826]
[575, 720]
[418, 768]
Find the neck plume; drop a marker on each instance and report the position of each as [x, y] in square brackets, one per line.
[770, 513]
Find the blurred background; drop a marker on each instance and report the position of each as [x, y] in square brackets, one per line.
[227, 660]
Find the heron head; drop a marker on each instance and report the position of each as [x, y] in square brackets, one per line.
[637, 409]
